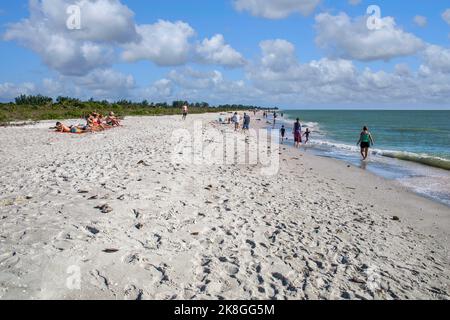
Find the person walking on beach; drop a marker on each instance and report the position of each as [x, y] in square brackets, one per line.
[297, 133]
[274, 118]
[282, 133]
[236, 119]
[185, 111]
[365, 141]
[246, 122]
[306, 135]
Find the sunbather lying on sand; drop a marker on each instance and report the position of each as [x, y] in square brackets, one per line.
[60, 127]
[95, 122]
[77, 129]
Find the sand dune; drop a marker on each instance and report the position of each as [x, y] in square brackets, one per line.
[112, 216]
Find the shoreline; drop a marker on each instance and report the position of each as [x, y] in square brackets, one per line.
[331, 162]
[318, 229]
[393, 165]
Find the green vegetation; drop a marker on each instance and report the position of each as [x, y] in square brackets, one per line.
[35, 108]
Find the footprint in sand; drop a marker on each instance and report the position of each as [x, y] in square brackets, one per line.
[133, 293]
[251, 243]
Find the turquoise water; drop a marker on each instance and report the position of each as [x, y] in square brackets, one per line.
[412, 147]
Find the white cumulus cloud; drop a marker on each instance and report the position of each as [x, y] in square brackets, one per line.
[103, 81]
[195, 85]
[108, 31]
[164, 43]
[437, 58]
[101, 20]
[74, 52]
[339, 80]
[351, 39]
[216, 51]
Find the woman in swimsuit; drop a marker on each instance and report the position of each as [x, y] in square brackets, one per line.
[93, 124]
[297, 133]
[365, 141]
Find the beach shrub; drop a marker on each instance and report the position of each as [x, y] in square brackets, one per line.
[38, 100]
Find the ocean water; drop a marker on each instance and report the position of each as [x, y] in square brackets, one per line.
[412, 147]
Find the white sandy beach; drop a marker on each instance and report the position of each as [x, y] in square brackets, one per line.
[317, 229]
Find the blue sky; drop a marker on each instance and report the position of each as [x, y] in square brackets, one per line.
[291, 53]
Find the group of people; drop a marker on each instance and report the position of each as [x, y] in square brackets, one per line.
[94, 122]
[275, 115]
[365, 138]
[365, 141]
[236, 120]
[297, 132]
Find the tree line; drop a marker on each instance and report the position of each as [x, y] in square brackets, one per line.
[40, 100]
[39, 107]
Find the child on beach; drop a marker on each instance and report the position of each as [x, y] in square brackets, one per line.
[282, 133]
[306, 135]
[365, 141]
[297, 133]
